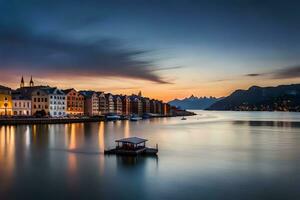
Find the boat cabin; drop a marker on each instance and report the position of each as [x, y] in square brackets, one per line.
[132, 143]
[132, 146]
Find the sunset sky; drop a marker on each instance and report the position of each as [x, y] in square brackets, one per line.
[166, 49]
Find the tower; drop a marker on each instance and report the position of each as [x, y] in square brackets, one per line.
[22, 82]
[140, 94]
[31, 84]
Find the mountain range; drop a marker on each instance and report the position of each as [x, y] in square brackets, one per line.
[279, 98]
[194, 103]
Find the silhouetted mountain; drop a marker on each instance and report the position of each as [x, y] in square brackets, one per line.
[193, 102]
[280, 98]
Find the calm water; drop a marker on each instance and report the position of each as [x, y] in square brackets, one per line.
[214, 155]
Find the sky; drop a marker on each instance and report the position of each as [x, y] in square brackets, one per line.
[166, 49]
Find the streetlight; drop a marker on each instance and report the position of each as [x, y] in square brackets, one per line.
[5, 112]
[5, 106]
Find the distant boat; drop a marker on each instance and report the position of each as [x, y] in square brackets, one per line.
[183, 118]
[113, 117]
[135, 118]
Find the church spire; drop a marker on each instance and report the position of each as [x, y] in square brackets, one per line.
[22, 82]
[31, 84]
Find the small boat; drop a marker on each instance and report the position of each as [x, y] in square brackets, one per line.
[135, 118]
[113, 117]
[132, 146]
[183, 118]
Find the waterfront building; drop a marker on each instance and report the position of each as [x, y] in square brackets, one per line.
[75, 102]
[50, 101]
[159, 107]
[91, 103]
[103, 108]
[5, 101]
[146, 105]
[166, 110]
[126, 110]
[117, 104]
[153, 106]
[136, 105]
[110, 103]
[21, 104]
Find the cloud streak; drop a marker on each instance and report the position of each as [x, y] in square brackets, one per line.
[24, 49]
[288, 72]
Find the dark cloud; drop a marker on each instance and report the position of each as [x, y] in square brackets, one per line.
[253, 75]
[287, 72]
[37, 38]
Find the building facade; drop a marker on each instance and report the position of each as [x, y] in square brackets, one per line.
[126, 108]
[75, 102]
[5, 101]
[91, 103]
[21, 104]
[153, 106]
[52, 101]
[110, 103]
[136, 105]
[159, 107]
[117, 104]
[146, 105]
[103, 108]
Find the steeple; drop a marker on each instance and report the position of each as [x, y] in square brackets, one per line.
[140, 94]
[22, 82]
[31, 84]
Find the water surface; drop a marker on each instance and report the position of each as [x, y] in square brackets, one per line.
[214, 155]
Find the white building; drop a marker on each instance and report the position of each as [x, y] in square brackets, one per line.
[57, 103]
[21, 104]
[21, 107]
[51, 100]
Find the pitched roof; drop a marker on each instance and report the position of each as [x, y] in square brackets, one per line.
[53, 91]
[66, 91]
[4, 88]
[87, 93]
[132, 140]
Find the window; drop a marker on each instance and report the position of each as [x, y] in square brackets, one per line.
[34, 106]
[51, 97]
[46, 107]
[46, 99]
[34, 99]
[39, 99]
[38, 93]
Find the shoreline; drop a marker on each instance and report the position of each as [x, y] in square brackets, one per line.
[30, 121]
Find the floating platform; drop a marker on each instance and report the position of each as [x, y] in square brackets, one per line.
[132, 146]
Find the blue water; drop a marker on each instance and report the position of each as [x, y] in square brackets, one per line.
[214, 155]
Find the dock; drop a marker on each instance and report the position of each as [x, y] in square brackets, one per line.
[132, 146]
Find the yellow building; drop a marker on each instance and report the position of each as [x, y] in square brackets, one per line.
[5, 101]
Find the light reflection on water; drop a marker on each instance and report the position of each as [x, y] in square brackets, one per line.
[214, 155]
